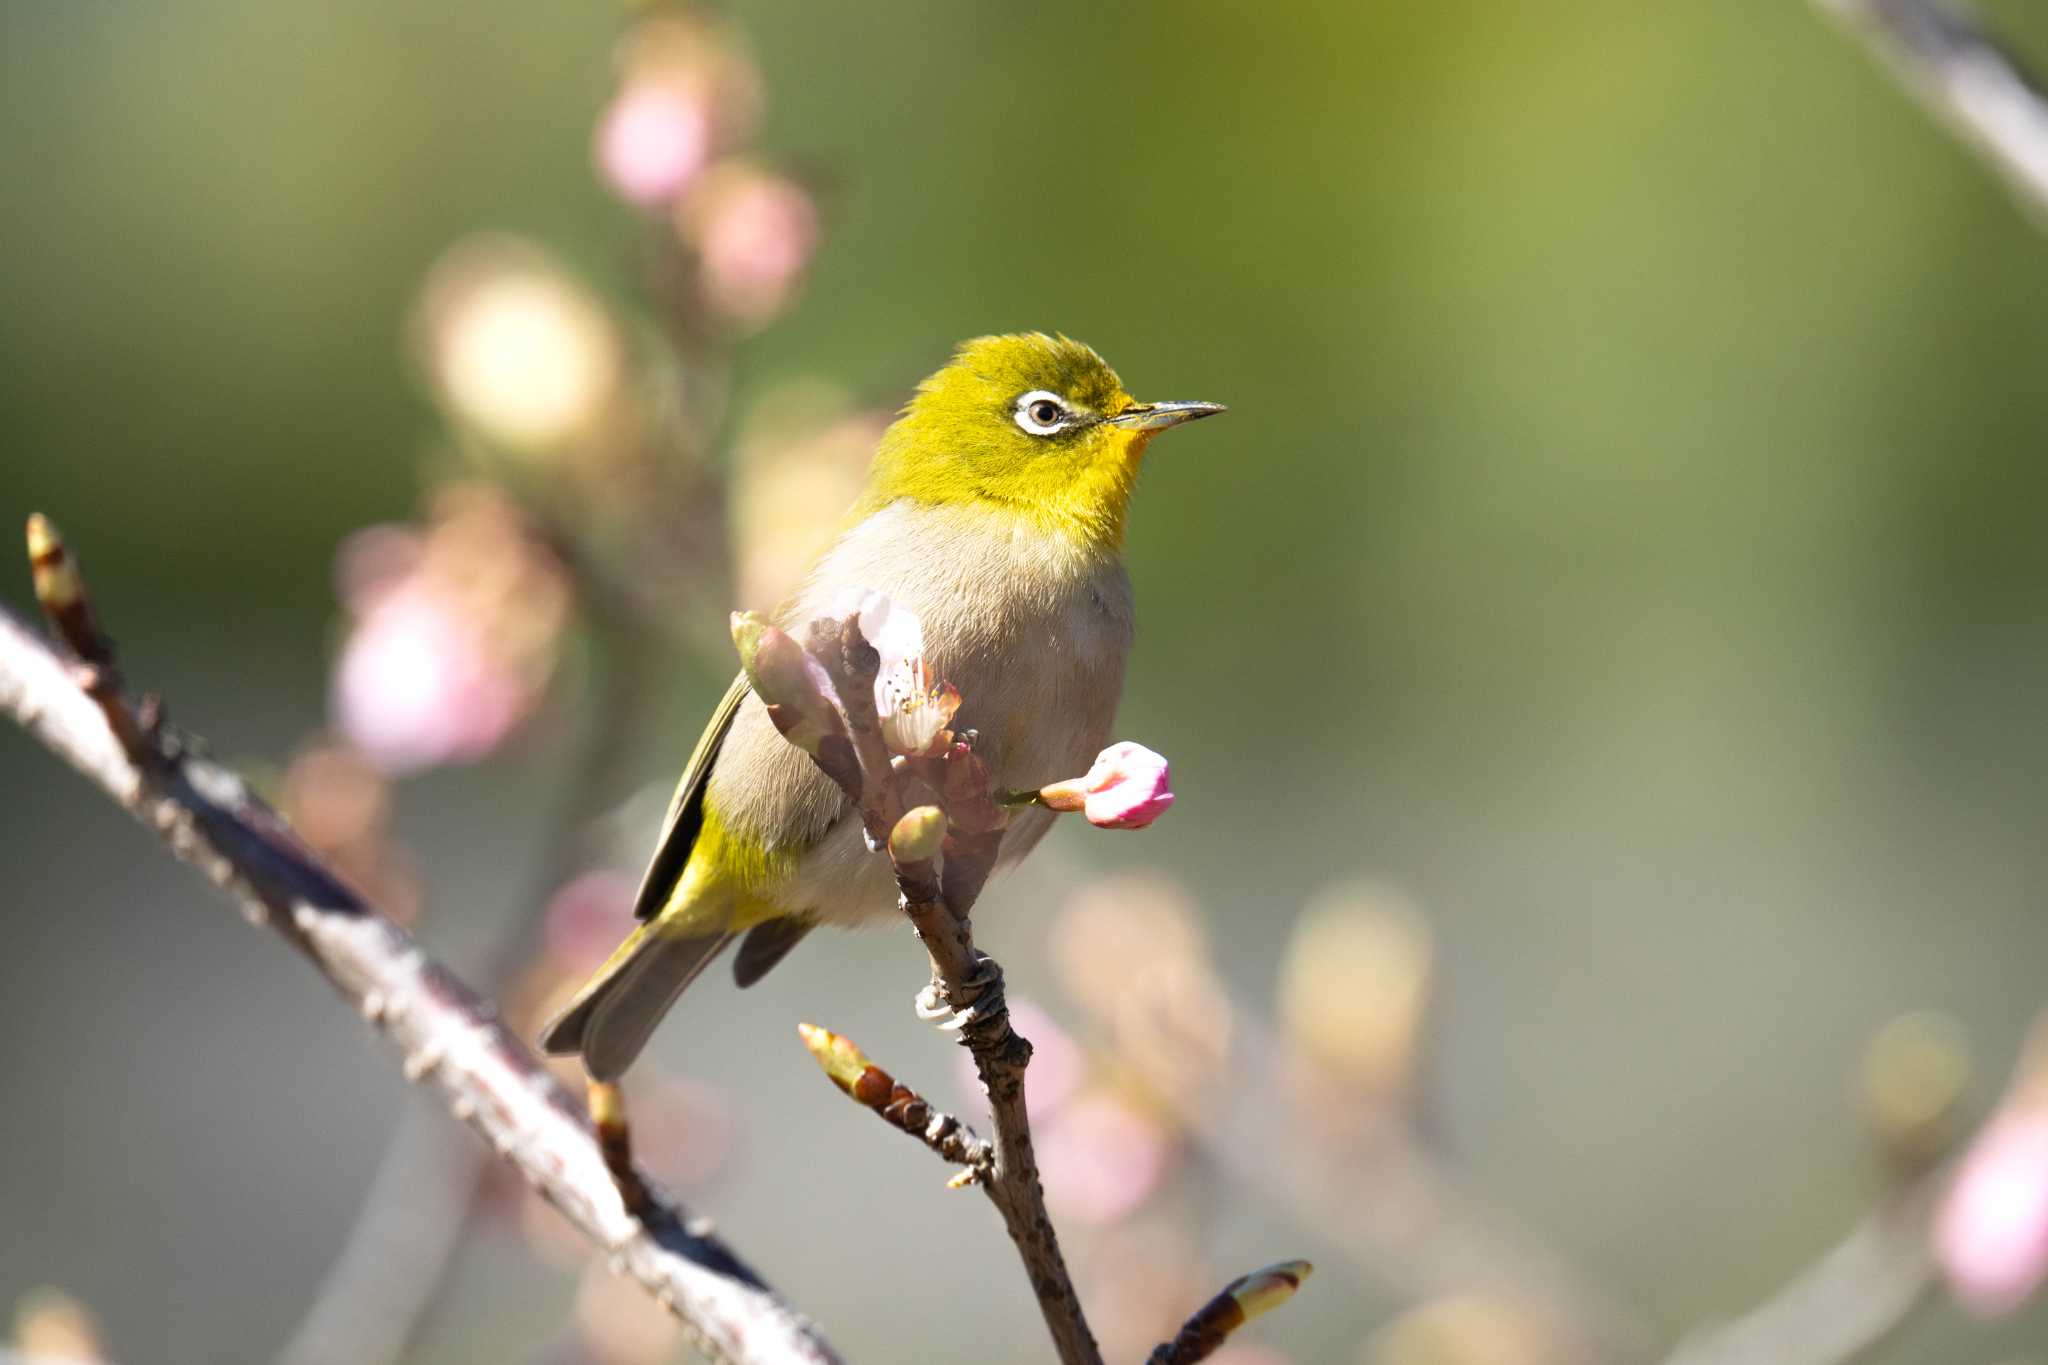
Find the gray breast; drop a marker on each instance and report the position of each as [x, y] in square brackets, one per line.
[1035, 638]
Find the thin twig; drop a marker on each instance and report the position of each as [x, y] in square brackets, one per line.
[1867, 1287]
[1243, 1299]
[1846, 1304]
[1965, 78]
[898, 1105]
[966, 988]
[441, 1028]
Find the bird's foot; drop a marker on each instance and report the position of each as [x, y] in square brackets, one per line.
[975, 1008]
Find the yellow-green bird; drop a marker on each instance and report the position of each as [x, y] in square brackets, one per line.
[995, 511]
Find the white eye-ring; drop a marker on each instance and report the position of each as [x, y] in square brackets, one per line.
[1042, 413]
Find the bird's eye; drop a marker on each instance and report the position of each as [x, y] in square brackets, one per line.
[1041, 413]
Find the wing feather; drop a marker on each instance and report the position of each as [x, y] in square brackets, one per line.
[686, 810]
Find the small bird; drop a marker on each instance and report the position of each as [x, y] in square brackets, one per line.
[994, 510]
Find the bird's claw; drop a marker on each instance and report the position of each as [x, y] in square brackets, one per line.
[983, 990]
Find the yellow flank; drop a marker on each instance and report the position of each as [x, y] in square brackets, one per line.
[728, 884]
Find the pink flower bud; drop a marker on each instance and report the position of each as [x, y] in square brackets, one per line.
[1126, 789]
[417, 686]
[652, 142]
[586, 918]
[801, 699]
[1102, 1158]
[755, 233]
[1991, 1233]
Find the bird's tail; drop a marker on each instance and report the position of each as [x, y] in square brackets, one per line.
[615, 1013]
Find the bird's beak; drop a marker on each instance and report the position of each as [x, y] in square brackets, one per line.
[1159, 416]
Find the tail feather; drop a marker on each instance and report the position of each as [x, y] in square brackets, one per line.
[615, 1014]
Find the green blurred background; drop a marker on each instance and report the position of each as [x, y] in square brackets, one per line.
[1626, 538]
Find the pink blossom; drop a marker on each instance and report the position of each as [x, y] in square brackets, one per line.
[684, 1126]
[652, 142]
[755, 233]
[1126, 789]
[586, 918]
[1991, 1233]
[454, 631]
[1101, 1159]
[417, 685]
[912, 705]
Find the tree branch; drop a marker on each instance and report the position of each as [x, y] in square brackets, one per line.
[898, 1105]
[1966, 79]
[1844, 1305]
[823, 698]
[1243, 1299]
[966, 989]
[443, 1030]
[421, 1205]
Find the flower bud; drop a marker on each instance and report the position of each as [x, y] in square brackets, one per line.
[1915, 1072]
[1355, 986]
[1127, 788]
[755, 233]
[846, 1066]
[801, 699]
[1991, 1233]
[52, 1325]
[56, 576]
[1264, 1290]
[653, 140]
[517, 349]
[918, 835]
[747, 629]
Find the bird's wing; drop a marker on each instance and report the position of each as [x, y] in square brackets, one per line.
[766, 944]
[686, 811]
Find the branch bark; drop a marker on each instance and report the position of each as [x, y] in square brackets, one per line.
[1966, 79]
[966, 990]
[420, 1207]
[443, 1030]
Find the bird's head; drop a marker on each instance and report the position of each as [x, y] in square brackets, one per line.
[1035, 426]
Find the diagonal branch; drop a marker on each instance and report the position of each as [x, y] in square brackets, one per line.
[898, 1105]
[1966, 79]
[442, 1029]
[1843, 1306]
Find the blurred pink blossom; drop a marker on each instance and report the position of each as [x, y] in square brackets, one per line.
[682, 1128]
[755, 233]
[1991, 1233]
[1126, 789]
[518, 350]
[416, 686]
[586, 918]
[1101, 1158]
[652, 142]
[454, 632]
